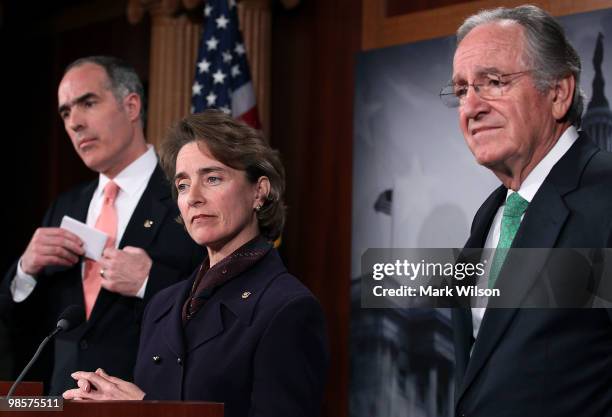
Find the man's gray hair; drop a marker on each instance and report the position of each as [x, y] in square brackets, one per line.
[123, 77]
[548, 51]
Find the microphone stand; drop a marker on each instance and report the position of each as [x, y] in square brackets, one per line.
[34, 358]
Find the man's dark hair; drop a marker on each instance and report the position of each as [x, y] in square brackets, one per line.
[122, 76]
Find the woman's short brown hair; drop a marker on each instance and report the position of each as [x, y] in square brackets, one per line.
[238, 146]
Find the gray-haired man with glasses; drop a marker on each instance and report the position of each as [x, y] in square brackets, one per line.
[515, 84]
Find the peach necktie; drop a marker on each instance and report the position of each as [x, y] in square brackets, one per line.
[107, 222]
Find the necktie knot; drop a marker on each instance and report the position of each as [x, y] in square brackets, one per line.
[110, 192]
[515, 206]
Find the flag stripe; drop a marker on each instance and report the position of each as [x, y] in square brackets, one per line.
[250, 118]
[243, 99]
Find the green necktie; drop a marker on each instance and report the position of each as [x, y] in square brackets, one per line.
[511, 220]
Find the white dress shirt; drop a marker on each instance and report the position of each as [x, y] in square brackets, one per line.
[132, 182]
[528, 190]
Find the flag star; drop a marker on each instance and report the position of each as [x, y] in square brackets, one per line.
[239, 49]
[222, 22]
[225, 109]
[235, 71]
[203, 66]
[211, 98]
[196, 89]
[207, 10]
[232, 3]
[212, 43]
[219, 77]
[227, 56]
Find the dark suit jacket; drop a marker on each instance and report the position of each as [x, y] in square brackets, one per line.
[264, 354]
[109, 339]
[543, 362]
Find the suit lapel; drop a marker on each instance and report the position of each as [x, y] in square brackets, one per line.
[542, 225]
[78, 209]
[148, 214]
[540, 228]
[484, 218]
[209, 324]
[171, 318]
[462, 317]
[472, 251]
[209, 320]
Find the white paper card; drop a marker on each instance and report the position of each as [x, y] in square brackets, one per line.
[93, 239]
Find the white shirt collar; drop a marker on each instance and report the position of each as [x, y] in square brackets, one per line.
[536, 177]
[131, 178]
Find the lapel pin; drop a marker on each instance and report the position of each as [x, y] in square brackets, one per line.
[246, 294]
[148, 224]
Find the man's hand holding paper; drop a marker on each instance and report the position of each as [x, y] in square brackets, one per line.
[123, 271]
[51, 246]
[93, 239]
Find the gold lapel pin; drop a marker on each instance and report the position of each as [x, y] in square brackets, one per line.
[246, 294]
[148, 224]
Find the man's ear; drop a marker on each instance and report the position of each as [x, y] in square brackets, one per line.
[562, 96]
[132, 105]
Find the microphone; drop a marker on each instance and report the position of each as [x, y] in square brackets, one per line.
[70, 318]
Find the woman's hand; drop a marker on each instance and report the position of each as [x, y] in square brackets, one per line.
[101, 386]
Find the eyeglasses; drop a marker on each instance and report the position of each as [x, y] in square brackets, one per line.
[488, 86]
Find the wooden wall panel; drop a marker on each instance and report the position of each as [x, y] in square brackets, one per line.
[380, 31]
[313, 50]
[400, 7]
[255, 23]
[174, 47]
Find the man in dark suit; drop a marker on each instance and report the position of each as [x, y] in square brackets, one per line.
[515, 83]
[101, 104]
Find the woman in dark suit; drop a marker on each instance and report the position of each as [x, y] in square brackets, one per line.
[241, 330]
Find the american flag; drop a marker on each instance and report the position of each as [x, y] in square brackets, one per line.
[222, 77]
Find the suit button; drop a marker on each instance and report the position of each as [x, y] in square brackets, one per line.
[179, 361]
[157, 359]
[83, 344]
